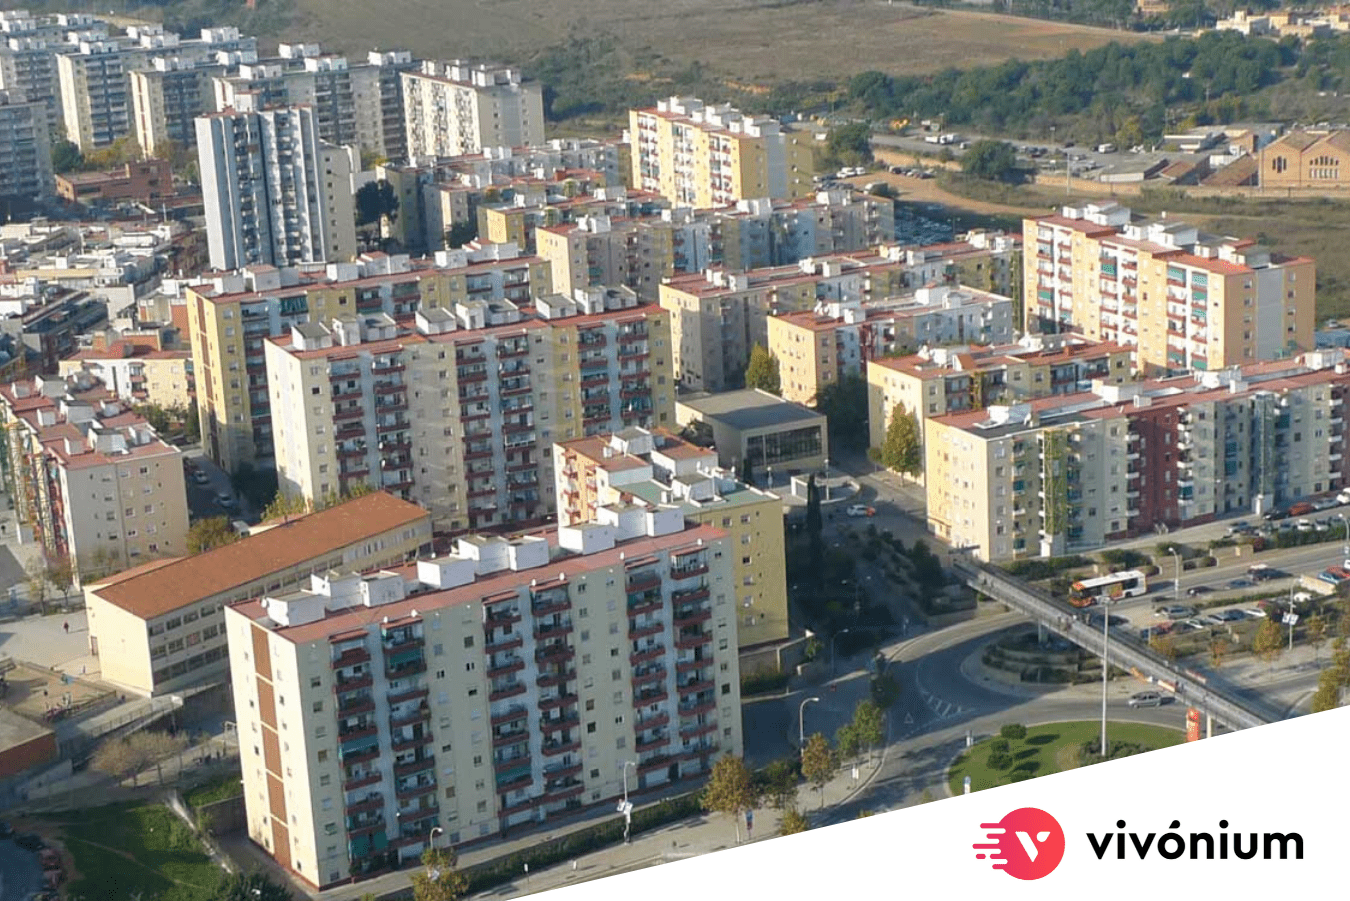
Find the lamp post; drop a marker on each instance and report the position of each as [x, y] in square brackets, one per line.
[431, 837]
[1106, 666]
[834, 639]
[827, 478]
[770, 472]
[624, 807]
[1176, 583]
[1345, 549]
[801, 724]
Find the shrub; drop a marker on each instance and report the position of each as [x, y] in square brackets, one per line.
[999, 746]
[763, 681]
[1002, 761]
[1208, 561]
[1013, 731]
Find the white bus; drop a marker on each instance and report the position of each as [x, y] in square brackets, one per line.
[1113, 587]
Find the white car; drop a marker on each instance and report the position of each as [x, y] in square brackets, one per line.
[861, 510]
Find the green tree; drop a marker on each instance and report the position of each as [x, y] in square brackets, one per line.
[1218, 649]
[792, 823]
[1130, 133]
[819, 763]
[285, 505]
[992, 161]
[374, 200]
[779, 781]
[903, 448]
[438, 879]
[254, 886]
[847, 741]
[729, 790]
[121, 151]
[461, 233]
[844, 404]
[192, 425]
[762, 372]
[870, 725]
[61, 574]
[1268, 643]
[205, 534]
[849, 145]
[66, 157]
[1317, 633]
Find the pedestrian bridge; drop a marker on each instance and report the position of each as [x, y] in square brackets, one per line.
[1209, 694]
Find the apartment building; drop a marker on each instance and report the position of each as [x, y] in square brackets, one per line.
[160, 627]
[138, 372]
[357, 104]
[25, 151]
[231, 316]
[937, 381]
[453, 108]
[717, 316]
[569, 197]
[652, 469]
[817, 348]
[91, 481]
[275, 192]
[28, 71]
[1070, 472]
[712, 156]
[437, 194]
[459, 412]
[166, 98]
[1184, 300]
[990, 261]
[578, 654]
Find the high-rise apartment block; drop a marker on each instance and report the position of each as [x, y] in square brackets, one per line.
[355, 104]
[717, 315]
[1184, 300]
[712, 156]
[454, 108]
[231, 316]
[25, 152]
[91, 481]
[160, 627]
[459, 413]
[641, 469]
[506, 684]
[28, 72]
[1070, 472]
[817, 348]
[166, 98]
[275, 192]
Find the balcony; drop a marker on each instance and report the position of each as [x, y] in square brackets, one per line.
[549, 604]
[690, 595]
[361, 780]
[351, 657]
[407, 744]
[503, 643]
[546, 631]
[419, 765]
[688, 571]
[688, 642]
[696, 730]
[651, 743]
[639, 582]
[352, 683]
[510, 715]
[694, 686]
[507, 691]
[692, 617]
[553, 748]
[646, 654]
[513, 773]
[408, 694]
[651, 627]
[507, 739]
[687, 666]
[501, 616]
[655, 721]
[418, 714]
[555, 724]
[554, 652]
[367, 803]
[697, 707]
[644, 603]
[404, 669]
[654, 762]
[552, 677]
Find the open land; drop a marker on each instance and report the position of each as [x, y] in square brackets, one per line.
[751, 42]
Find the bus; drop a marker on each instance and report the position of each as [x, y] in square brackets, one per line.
[1112, 587]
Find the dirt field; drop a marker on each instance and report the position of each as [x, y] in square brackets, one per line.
[749, 41]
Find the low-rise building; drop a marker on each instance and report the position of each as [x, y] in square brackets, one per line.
[643, 469]
[1071, 472]
[509, 683]
[772, 433]
[139, 370]
[1306, 158]
[146, 181]
[92, 483]
[159, 627]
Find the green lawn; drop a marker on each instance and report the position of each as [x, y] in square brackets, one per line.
[218, 790]
[129, 850]
[1049, 749]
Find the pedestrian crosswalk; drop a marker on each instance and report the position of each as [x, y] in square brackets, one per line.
[943, 709]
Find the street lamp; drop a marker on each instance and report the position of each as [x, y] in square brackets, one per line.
[1176, 583]
[834, 639]
[801, 724]
[1345, 550]
[624, 807]
[770, 471]
[827, 478]
[431, 836]
[1106, 665]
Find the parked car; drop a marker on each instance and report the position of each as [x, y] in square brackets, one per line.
[1305, 525]
[1254, 613]
[1343, 497]
[862, 510]
[1231, 615]
[1215, 619]
[1175, 612]
[1302, 508]
[1197, 590]
[30, 841]
[1324, 503]
[1241, 583]
[200, 477]
[1146, 699]
[1322, 525]
[1195, 624]
[1275, 514]
[1239, 527]
[226, 500]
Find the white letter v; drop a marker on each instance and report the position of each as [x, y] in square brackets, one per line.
[1028, 845]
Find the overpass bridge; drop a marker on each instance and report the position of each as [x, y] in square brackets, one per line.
[1210, 694]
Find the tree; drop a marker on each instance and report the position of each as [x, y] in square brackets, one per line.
[251, 887]
[869, 724]
[205, 534]
[37, 583]
[438, 880]
[1268, 642]
[792, 823]
[121, 151]
[1317, 633]
[849, 145]
[729, 790]
[847, 741]
[992, 161]
[374, 200]
[844, 404]
[780, 784]
[461, 233]
[1165, 645]
[762, 372]
[116, 758]
[1218, 649]
[285, 505]
[192, 425]
[903, 448]
[66, 157]
[819, 763]
[61, 574]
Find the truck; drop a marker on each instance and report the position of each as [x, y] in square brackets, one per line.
[1106, 148]
[933, 139]
[947, 139]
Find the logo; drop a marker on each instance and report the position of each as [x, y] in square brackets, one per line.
[1026, 844]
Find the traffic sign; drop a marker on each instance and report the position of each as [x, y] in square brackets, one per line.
[1290, 619]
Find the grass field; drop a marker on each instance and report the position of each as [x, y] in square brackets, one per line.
[136, 850]
[1051, 748]
[749, 42]
[219, 790]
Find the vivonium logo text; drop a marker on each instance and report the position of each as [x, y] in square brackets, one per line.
[1026, 844]
[1174, 844]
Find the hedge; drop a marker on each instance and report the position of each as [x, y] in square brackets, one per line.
[763, 681]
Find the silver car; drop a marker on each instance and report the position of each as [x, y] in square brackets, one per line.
[1146, 699]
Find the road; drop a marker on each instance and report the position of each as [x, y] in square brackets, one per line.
[1087, 162]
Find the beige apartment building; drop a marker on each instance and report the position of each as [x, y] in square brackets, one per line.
[91, 481]
[643, 469]
[713, 156]
[1068, 473]
[138, 372]
[717, 316]
[510, 683]
[1182, 299]
[942, 380]
[459, 412]
[160, 627]
[453, 108]
[232, 314]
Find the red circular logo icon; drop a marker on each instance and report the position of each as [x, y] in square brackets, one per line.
[1026, 844]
